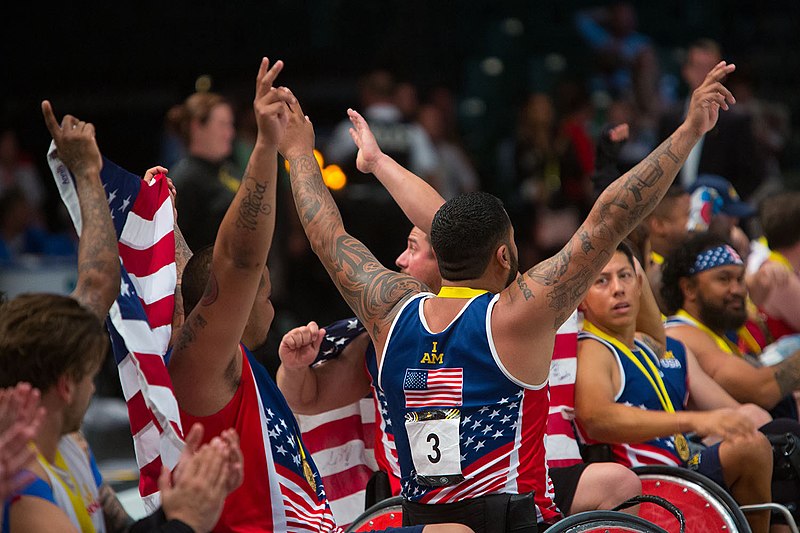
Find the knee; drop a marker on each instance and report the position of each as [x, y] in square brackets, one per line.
[621, 483]
[753, 449]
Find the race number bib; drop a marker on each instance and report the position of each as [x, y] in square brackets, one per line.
[435, 450]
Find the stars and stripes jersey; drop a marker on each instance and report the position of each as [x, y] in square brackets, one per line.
[463, 426]
[275, 495]
[385, 448]
[636, 391]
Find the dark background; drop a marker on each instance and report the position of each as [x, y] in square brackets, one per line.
[122, 65]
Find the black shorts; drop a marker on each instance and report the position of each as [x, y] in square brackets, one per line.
[565, 483]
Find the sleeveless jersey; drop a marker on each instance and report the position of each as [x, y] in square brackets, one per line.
[385, 449]
[636, 391]
[74, 472]
[463, 426]
[275, 495]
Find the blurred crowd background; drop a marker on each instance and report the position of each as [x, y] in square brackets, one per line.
[513, 97]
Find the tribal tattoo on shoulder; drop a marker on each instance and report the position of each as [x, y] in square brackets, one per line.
[369, 288]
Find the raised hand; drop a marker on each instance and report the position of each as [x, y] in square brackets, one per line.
[21, 417]
[369, 153]
[299, 137]
[75, 142]
[708, 98]
[299, 347]
[173, 192]
[270, 104]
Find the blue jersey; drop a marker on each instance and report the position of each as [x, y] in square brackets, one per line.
[463, 426]
[636, 391]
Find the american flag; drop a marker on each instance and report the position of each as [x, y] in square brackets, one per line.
[433, 388]
[561, 444]
[140, 320]
[341, 441]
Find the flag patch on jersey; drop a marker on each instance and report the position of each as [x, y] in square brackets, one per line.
[433, 388]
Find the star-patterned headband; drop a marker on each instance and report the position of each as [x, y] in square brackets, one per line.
[714, 257]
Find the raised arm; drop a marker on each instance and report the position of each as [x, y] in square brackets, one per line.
[550, 291]
[328, 385]
[98, 260]
[415, 196]
[205, 364]
[371, 290]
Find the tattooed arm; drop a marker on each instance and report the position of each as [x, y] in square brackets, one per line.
[549, 292]
[418, 200]
[206, 363]
[98, 259]
[371, 290]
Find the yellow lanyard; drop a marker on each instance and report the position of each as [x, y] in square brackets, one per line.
[724, 344]
[657, 258]
[77, 498]
[459, 292]
[655, 378]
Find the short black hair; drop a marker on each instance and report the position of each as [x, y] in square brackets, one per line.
[627, 249]
[195, 278]
[466, 231]
[677, 265]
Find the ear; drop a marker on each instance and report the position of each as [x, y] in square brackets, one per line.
[688, 289]
[65, 388]
[503, 256]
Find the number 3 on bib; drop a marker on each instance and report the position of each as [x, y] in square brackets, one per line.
[433, 437]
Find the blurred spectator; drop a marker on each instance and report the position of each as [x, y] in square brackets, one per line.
[771, 125]
[457, 172]
[367, 209]
[406, 97]
[730, 149]
[625, 63]
[641, 134]
[18, 170]
[576, 112]
[206, 177]
[717, 208]
[22, 234]
[536, 163]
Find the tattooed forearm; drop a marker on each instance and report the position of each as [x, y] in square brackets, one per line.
[98, 260]
[116, 517]
[787, 374]
[182, 252]
[368, 287]
[252, 206]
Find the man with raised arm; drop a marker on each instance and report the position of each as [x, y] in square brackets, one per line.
[56, 344]
[225, 291]
[216, 381]
[342, 380]
[485, 383]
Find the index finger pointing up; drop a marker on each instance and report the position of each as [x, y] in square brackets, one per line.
[50, 119]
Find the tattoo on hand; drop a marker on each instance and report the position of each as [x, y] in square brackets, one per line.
[252, 205]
